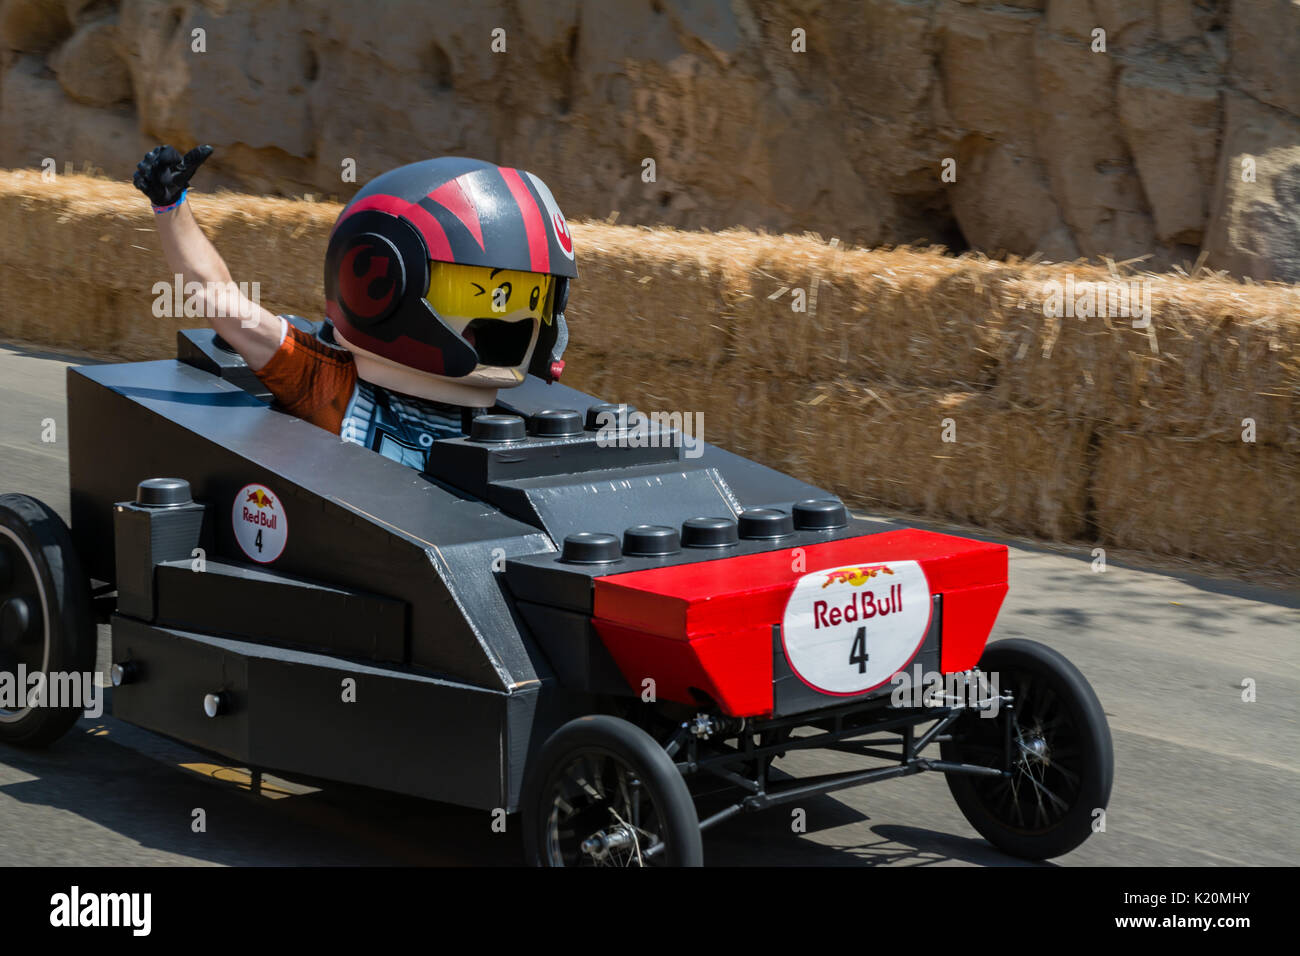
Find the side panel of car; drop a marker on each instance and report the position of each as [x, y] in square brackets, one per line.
[322, 716]
[375, 644]
[286, 496]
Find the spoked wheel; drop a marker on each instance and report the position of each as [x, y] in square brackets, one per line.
[604, 793]
[1061, 759]
[46, 626]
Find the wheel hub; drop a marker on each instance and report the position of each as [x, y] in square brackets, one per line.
[601, 814]
[600, 845]
[1034, 746]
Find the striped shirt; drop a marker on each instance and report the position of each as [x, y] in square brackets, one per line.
[318, 382]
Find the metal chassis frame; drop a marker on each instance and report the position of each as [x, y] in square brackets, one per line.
[839, 726]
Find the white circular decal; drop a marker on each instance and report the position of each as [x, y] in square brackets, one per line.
[848, 630]
[261, 527]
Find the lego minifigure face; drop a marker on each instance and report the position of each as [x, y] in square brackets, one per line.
[498, 311]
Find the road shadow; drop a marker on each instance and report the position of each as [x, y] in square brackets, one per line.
[150, 801]
[768, 838]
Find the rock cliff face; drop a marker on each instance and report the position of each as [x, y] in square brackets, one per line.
[1117, 128]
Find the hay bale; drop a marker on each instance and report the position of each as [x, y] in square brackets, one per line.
[1008, 467]
[1076, 366]
[651, 386]
[881, 445]
[59, 311]
[81, 231]
[1216, 352]
[657, 294]
[1227, 352]
[64, 313]
[731, 296]
[88, 229]
[932, 322]
[278, 243]
[1231, 503]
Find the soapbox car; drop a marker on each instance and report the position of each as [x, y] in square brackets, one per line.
[569, 615]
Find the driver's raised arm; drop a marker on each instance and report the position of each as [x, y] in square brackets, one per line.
[164, 175]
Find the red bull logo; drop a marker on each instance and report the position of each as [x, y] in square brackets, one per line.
[854, 576]
[261, 499]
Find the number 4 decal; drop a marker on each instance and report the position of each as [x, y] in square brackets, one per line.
[858, 654]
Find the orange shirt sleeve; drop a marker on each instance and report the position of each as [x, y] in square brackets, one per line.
[310, 379]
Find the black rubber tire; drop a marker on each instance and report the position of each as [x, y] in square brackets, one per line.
[639, 752]
[1090, 755]
[36, 549]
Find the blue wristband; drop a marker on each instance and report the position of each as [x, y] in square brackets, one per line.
[180, 199]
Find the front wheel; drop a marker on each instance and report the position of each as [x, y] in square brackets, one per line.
[46, 626]
[604, 793]
[1061, 760]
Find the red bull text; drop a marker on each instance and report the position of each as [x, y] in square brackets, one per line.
[862, 606]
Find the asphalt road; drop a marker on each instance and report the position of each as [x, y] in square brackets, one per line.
[1202, 777]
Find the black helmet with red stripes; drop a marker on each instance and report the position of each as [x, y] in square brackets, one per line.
[454, 210]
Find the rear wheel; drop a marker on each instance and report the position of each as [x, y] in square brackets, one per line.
[604, 793]
[46, 626]
[1062, 764]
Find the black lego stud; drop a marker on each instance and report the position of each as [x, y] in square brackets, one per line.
[651, 540]
[760, 523]
[497, 428]
[819, 514]
[556, 423]
[607, 414]
[163, 493]
[709, 532]
[590, 547]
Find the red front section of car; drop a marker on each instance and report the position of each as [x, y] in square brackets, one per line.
[707, 626]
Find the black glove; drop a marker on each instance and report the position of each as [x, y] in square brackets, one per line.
[163, 174]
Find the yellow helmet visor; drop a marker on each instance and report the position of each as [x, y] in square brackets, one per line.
[478, 292]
